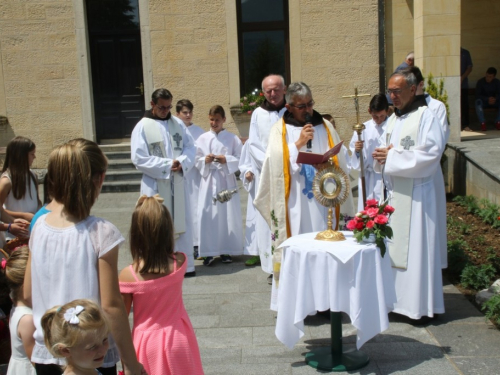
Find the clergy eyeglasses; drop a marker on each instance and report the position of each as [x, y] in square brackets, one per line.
[163, 108]
[395, 92]
[304, 106]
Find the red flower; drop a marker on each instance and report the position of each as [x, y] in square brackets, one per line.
[261, 94]
[360, 225]
[371, 203]
[370, 224]
[388, 209]
[372, 212]
[249, 112]
[351, 224]
[381, 219]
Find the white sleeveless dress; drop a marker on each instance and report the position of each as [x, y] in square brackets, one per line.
[19, 362]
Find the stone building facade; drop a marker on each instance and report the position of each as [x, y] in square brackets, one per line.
[191, 48]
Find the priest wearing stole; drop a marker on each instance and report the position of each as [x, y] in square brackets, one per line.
[284, 197]
[163, 151]
[408, 157]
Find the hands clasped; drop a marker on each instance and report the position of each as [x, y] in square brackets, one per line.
[380, 153]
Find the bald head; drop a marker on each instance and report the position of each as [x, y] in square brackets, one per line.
[273, 87]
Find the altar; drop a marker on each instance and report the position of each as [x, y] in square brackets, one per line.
[342, 276]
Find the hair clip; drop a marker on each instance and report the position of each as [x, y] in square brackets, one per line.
[71, 314]
[143, 197]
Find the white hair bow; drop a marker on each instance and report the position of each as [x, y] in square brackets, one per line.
[71, 314]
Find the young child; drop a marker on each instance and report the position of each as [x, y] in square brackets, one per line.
[78, 332]
[217, 158]
[74, 255]
[184, 109]
[21, 317]
[372, 132]
[163, 336]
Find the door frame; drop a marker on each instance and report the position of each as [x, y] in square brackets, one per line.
[85, 73]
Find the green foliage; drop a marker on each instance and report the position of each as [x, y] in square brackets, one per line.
[492, 309]
[457, 226]
[251, 101]
[489, 212]
[457, 257]
[469, 202]
[493, 258]
[477, 277]
[437, 91]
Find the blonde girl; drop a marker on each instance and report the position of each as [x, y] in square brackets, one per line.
[78, 332]
[21, 317]
[163, 335]
[74, 255]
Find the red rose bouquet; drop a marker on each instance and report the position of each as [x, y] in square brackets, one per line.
[373, 221]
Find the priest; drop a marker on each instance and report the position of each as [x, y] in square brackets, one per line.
[409, 156]
[162, 149]
[257, 233]
[284, 197]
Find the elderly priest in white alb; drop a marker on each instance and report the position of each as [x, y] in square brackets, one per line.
[409, 157]
[163, 150]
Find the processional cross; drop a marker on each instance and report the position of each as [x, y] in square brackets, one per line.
[358, 128]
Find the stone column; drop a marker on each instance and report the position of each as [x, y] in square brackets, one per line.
[437, 50]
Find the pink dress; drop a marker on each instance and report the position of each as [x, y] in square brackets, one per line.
[163, 336]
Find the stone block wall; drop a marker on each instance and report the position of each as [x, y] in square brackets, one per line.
[338, 43]
[39, 79]
[189, 54]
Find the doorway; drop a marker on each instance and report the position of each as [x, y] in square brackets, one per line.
[116, 65]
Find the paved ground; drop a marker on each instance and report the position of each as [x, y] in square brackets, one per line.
[229, 307]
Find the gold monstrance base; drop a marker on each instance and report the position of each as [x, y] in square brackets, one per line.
[330, 234]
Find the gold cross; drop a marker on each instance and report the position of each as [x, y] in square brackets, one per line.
[356, 102]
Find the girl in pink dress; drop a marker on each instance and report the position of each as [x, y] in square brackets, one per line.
[163, 336]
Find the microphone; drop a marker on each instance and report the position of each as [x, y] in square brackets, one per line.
[308, 119]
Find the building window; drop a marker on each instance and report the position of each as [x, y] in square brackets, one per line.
[263, 41]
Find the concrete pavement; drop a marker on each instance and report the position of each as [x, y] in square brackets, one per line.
[229, 307]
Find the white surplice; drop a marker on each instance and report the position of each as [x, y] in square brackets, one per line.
[258, 233]
[419, 288]
[193, 179]
[245, 166]
[155, 168]
[439, 110]
[373, 181]
[220, 229]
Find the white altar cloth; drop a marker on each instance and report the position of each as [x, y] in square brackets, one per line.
[312, 279]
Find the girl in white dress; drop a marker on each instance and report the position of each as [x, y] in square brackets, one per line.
[21, 317]
[74, 255]
[18, 185]
[77, 331]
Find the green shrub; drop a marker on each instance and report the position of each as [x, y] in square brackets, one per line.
[477, 277]
[469, 202]
[489, 212]
[457, 258]
[492, 309]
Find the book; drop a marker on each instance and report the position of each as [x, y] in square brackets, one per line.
[313, 158]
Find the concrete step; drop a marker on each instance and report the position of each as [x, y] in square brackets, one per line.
[115, 164]
[118, 155]
[120, 147]
[123, 175]
[121, 186]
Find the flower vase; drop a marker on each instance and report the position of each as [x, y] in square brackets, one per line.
[370, 238]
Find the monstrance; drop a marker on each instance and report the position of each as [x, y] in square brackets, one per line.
[331, 189]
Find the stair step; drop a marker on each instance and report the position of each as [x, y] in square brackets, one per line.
[120, 147]
[118, 155]
[115, 164]
[121, 186]
[121, 175]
